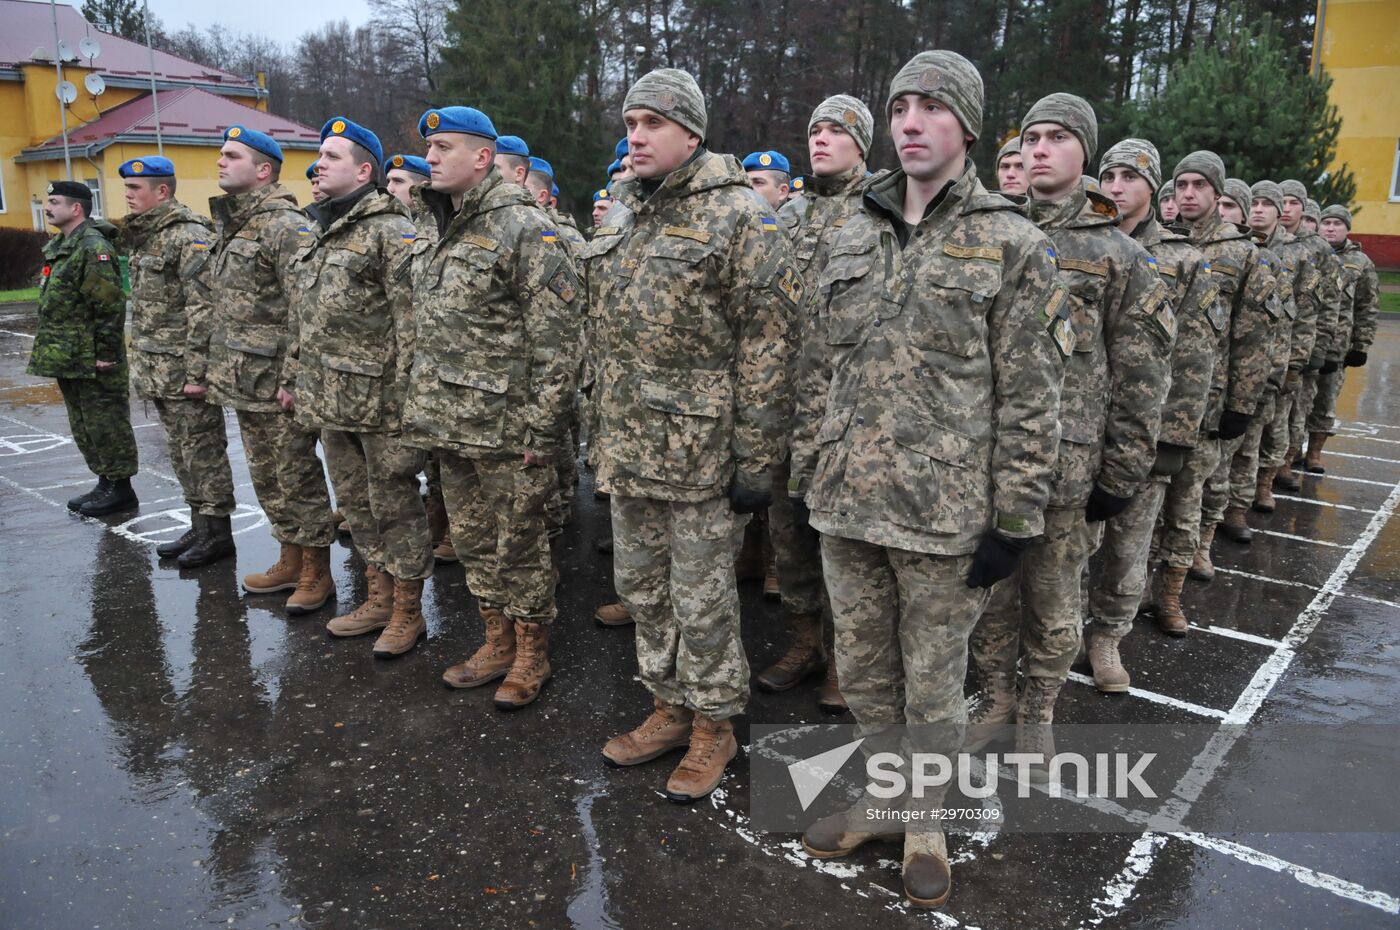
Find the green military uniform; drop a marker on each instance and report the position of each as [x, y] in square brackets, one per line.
[1327, 351]
[497, 306]
[259, 234]
[353, 343]
[168, 248]
[82, 311]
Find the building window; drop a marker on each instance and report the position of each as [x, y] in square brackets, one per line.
[1395, 175]
[95, 185]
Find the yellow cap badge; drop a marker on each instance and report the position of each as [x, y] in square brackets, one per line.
[235, 132]
[1143, 161]
[433, 120]
[765, 159]
[338, 126]
[850, 118]
[398, 161]
[137, 167]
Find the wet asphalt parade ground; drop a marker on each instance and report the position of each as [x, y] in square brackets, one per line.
[177, 754]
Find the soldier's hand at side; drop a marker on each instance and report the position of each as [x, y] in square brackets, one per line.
[996, 558]
[1330, 366]
[1316, 361]
[536, 458]
[194, 391]
[104, 366]
[1103, 505]
[1171, 459]
[747, 500]
[1355, 358]
[1233, 423]
[286, 399]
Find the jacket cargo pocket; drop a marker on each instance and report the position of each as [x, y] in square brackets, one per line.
[355, 389]
[158, 366]
[686, 437]
[473, 406]
[1086, 281]
[846, 291]
[935, 482]
[674, 279]
[148, 282]
[256, 367]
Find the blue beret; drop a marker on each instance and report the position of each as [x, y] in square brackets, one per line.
[620, 149]
[409, 163]
[797, 184]
[257, 141]
[456, 119]
[541, 166]
[149, 166]
[602, 193]
[311, 171]
[614, 168]
[554, 190]
[512, 145]
[767, 161]
[340, 126]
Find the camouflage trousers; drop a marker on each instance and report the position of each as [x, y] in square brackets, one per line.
[1244, 465]
[559, 511]
[798, 552]
[1315, 410]
[496, 509]
[1273, 446]
[99, 417]
[1178, 533]
[1115, 589]
[288, 478]
[376, 488]
[1040, 605]
[673, 565]
[198, 443]
[902, 625]
[1215, 497]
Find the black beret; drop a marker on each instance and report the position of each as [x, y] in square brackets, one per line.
[71, 189]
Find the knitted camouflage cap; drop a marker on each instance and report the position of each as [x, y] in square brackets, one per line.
[1269, 191]
[1313, 209]
[947, 77]
[851, 115]
[1136, 155]
[1207, 164]
[672, 93]
[1073, 113]
[1012, 147]
[1167, 191]
[1337, 212]
[1294, 189]
[1238, 191]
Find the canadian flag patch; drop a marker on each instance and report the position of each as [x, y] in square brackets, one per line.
[104, 257]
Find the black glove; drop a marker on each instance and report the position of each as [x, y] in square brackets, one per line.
[996, 558]
[1355, 358]
[1171, 459]
[801, 515]
[1316, 361]
[1103, 505]
[746, 500]
[1330, 366]
[1233, 423]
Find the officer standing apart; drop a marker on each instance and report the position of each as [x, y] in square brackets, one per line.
[353, 316]
[1116, 380]
[260, 230]
[168, 248]
[926, 427]
[497, 318]
[696, 296]
[79, 341]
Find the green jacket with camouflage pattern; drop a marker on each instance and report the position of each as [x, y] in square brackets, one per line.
[82, 309]
[1361, 296]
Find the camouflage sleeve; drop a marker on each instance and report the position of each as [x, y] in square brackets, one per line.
[283, 240]
[1138, 333]
[198, 301]
[1307, 285]
[1250, 342]
[396, 267]
[1193, 359]
[1365, 308]
[551, 295]
[813, 385]
[1330, 327]
[765, 291]
[1027, 373]
[101, 290]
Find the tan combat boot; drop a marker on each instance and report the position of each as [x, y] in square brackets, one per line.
[1235, 528]
[927, 879]
[712, 747]
[1313, 461]
[996, 705]
[282, 576]
[614, 614]
[805, 656]
[530, 670]
[1170, 619]
[1285, 480]
[1035, 712]
[443, 552]
[829, 698]
[374, 613]
[314, 584]
[838, 835]
[666, 728]
[1110, 676]
[1202, 569]
[771, 590]
[1264, 491]
[492, 660]
[406, 623]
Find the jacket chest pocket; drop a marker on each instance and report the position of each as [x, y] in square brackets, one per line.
[342, 279]
[687, 435]
[473, 405]
[355, 389]
[849, 284]
[241, 265]
[949, 300]
[469, 270]
[672, 281]
[1087, 281]
[939, 486]
[600, 259]
[150, 281]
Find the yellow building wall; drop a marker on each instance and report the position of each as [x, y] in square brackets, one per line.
[14, 136]
[1360, 48]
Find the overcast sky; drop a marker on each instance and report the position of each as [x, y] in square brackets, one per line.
[277, 19]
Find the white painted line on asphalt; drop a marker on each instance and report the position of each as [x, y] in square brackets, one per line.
[1253, 577]
[1353, 455]
[1371, 426]
[1331, 477]
[1164, 699]
[1370, 600]
[1368, 438]
[1120, 888]
[1313, 500]
[1228, 633]
[1338, 886]
[1302, 539]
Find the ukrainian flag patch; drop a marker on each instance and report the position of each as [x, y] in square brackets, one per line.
[549, 235]
[769, 224]
[409, 237]
[199, 245]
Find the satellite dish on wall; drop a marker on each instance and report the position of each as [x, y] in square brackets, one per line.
[65, 51]
[89, 47]
[94, 84]
[67, 92]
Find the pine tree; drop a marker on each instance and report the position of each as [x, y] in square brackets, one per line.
[125, 18]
